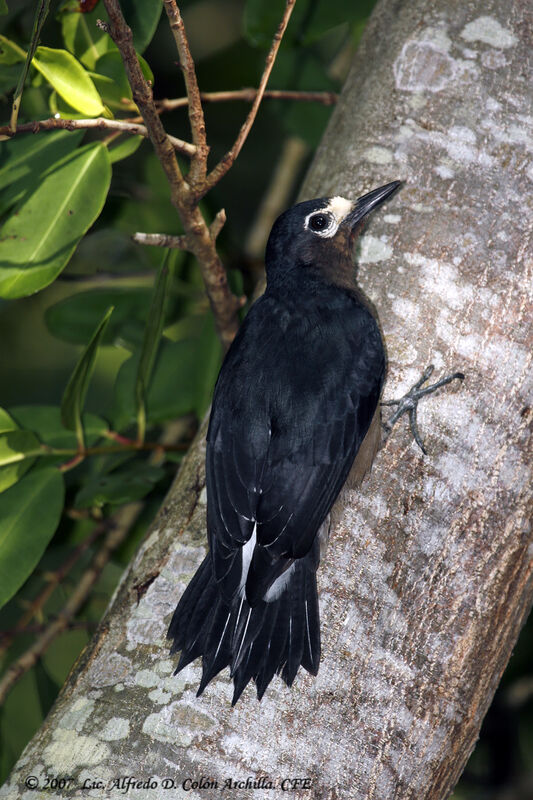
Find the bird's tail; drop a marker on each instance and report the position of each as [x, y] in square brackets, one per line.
[255, 642]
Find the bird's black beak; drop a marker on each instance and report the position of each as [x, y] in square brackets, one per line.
[368, 202]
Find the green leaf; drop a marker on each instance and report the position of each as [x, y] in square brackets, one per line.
[309, 21]
[8, 78]
[37, 241]
[3, 7]
[61, 109]
[306, 120]
[110, 79]
[45, 422]
[121, 486]
[27, 154]
[124, 147]
[142, 17]
[74, 318]
[152, 336]
[184, 376]
[15, 446]
[24, 160]
[30, 513]
[10, 53]
[7, 423]
[81, 35]
[109, 249]
[74, 395]
[69, 79]
[261, 19]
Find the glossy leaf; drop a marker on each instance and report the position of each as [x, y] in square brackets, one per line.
[110, 79]
[109, 249]
[121, 486]
[17, 445]
[37, 241]
[142, 17]
[10, 53]
[59, 108]
[27, 154]
[82, 36]
[74, 395]
[30, 512]
[74, 318]
[45, 422]
[9, 76]
[14, 441]
[184, 376]
[7, 423]
[24, 160]
[152, 336]
[309, 21]
[69, 79]
[124, 148]
[307, 120]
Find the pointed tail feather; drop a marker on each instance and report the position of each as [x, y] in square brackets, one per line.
[256, 642]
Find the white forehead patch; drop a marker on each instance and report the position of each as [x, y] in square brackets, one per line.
[339, 207]
[335, 211]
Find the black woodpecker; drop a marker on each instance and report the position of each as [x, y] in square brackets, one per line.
[296, 412]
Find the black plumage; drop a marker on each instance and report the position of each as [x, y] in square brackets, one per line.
[295, 397]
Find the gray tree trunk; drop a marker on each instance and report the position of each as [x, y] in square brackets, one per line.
[427, 580]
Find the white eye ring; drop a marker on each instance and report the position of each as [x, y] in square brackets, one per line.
[326, 232]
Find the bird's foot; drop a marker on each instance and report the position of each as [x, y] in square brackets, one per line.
[408, 404]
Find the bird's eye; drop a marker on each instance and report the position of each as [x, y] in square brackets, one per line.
[319, 222]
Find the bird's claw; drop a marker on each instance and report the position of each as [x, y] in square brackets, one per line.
[408, 404]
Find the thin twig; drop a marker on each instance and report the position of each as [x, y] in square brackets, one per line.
[227, 161]
[179, 242]
[248, 96]
[161, 240]
[132, 128]
[198, 169]
[217, 224]
[40, 17]
[124, 519]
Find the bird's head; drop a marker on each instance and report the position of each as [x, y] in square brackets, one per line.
[318, 235]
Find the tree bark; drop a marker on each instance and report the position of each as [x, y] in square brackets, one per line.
[428, 576]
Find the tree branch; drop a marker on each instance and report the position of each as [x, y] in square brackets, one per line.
[196, 113]
[228, 160]
[132, 128]
[143, 98]
[223, 302]
[248, 95]
[179, 242]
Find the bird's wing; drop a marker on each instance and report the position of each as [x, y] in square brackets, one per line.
[286, 425]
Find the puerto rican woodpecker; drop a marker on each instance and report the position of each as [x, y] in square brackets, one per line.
[295, 414]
